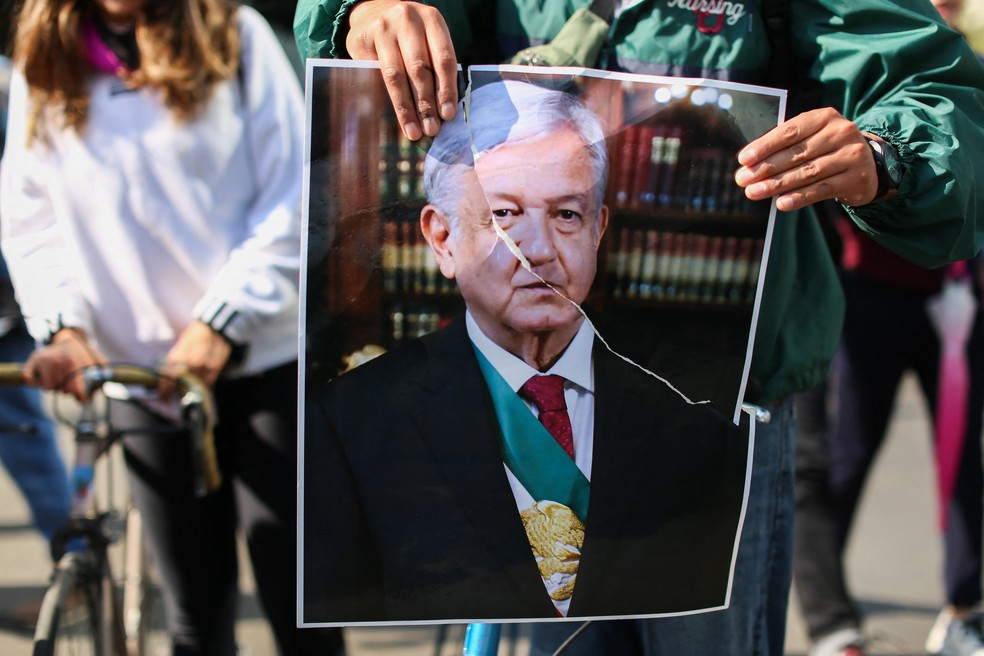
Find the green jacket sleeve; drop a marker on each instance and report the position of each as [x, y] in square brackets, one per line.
[317, 25]
[917, 84]
[320, 26]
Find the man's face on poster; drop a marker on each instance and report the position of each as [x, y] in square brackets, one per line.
[542, 193]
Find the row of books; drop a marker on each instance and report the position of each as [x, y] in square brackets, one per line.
[652, 169]
[409, 322]
[401, 164]
[408, 265]
[677, 267]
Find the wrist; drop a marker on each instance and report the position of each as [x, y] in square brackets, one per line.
[68, 333]
[888, 167]
[237, 350]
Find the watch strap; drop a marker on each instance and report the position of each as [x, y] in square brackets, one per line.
[887, 185]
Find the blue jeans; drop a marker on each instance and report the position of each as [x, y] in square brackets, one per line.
[755, 622]
[28, 448]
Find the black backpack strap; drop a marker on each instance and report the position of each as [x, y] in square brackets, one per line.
[776, 13]
[786, 69]
[777, 16]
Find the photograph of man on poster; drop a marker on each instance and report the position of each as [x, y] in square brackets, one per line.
[509, 465]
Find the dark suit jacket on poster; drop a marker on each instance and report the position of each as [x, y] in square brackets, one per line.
[408, 514]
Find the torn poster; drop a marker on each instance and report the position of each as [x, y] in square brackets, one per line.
[524, 347]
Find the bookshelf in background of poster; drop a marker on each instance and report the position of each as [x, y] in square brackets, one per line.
[417, 299]
[681, 236]
[680, 261]
[681, 232]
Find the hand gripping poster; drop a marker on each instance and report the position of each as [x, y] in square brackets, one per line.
[524, 347]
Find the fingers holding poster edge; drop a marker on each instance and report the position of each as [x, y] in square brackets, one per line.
[412, 43]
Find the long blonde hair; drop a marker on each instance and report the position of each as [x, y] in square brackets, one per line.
[186, 48]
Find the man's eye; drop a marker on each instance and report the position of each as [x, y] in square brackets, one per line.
[569, 215]
[502, 214]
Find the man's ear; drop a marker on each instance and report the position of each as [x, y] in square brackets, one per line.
[602, 224]
[437, 231]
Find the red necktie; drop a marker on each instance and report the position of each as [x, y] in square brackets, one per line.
[547, 394]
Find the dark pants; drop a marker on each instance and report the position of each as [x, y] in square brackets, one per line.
[886, 333]
[194, 539]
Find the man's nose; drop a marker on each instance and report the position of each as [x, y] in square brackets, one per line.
[535, 239]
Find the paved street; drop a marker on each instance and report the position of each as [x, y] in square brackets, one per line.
[894, 563]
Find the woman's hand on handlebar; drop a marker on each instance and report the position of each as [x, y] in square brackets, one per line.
[58, 365]
[200, 351]
[412, 43]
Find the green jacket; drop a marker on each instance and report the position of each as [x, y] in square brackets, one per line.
[892, 66]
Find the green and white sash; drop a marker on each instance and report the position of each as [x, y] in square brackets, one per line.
[555, 523]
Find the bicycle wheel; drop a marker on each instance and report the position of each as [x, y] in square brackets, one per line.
[71, 618]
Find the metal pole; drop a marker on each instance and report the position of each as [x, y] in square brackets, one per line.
[482, 640]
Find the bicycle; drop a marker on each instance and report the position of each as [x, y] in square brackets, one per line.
[85, 610]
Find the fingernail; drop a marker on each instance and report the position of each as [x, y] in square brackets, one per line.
[756, 191]
[412, 130]
[746, 156]
[447, 111]
[784, 203]
[743, 176]
[431, 126]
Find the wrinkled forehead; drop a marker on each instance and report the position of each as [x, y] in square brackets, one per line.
[539, 163]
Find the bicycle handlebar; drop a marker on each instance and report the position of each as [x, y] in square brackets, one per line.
[11, 373]
[196, 403]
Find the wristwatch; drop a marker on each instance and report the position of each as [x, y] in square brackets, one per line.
[887, 165]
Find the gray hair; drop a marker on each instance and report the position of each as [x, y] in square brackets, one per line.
[508, 111]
